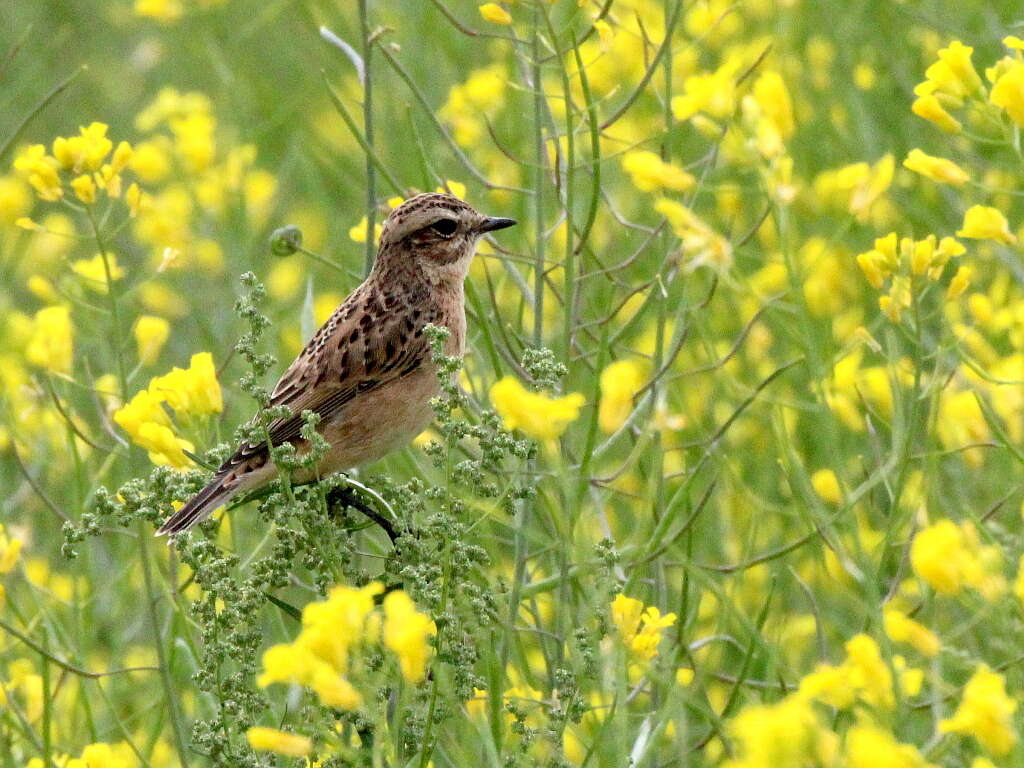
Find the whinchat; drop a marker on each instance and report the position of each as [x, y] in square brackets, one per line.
[368, 372]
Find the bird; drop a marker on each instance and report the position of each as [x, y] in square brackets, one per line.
[368, 371]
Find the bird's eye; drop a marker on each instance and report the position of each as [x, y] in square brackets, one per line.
[445, 227]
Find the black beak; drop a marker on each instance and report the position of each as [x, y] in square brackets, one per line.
[496, 222]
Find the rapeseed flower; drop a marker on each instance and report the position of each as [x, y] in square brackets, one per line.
[700, 243]
[639, 627]
[538, 415]
[192, 391]
[151, 332]
[620, 382]
[94, 271]
[985, 712]
[495, 14]
[936, 168]
[982, 222]
[10, 549]
[787, 734]
[51, 345]
[869, 746]
[280, 742]
[649, 172]
[950, 557]
[826, 485]
[931, 109]
[1008, 91]
[902, 629]
[406, 632]
[863, 676]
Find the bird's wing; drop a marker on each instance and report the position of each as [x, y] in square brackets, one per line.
[370, 340]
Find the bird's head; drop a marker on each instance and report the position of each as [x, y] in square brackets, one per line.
[435, 233]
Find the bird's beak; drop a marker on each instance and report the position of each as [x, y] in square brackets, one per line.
[493, 223]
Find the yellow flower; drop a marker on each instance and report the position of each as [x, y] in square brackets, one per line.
[194, 390]
[85, 152]
[787, 734]
[950, 557]
[15, 200]
[960, 282]
[869, 673]
[94, 270]
[701, 244]
[495, 14]
[863, 675]
[982, 222]
[935, 168]
[649, 172]
[164, 448]
[84, 188]
[639, 627]
[10, 548]
[405, 632]
[930, 109]
[868, 746]
[538, 415]
[826, 485]
[40, 170]
[985, 712]
[451, 187]
[620, 382]
[1008, 92]
[358, 233]
[902, 629]
[151, 333]
[149, 427]
[51, 343]
[272, 740]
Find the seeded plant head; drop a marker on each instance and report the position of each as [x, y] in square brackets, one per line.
[433, 234]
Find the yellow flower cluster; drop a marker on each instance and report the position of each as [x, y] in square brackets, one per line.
[952, 84]
[985, 712]
[951, 557]
[902, 260]
[791, 733]
[533, 413]
[639, 628]
[787, 734]
[84, 159]
[858, 188]
[472, 103]
[191, 392]
[181, 152]
[336, 629]
[864, 676]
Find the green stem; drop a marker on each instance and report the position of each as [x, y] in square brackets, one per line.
[165, 674]
[371, 193]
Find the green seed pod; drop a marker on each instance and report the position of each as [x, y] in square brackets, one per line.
[286, 240]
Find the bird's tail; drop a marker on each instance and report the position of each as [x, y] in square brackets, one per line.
[200, 507]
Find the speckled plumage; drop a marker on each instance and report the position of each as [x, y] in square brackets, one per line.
[367, 371]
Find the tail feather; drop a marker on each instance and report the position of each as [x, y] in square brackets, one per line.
[200, 507]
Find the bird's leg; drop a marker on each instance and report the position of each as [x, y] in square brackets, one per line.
[345, 496]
